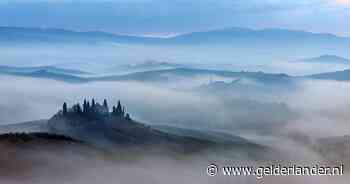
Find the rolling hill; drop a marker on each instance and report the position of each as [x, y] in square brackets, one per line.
[164, 75]
[237, 44]
[327, 59]
[14, 69]
[238, 35]
[172, 74]
[15, 35]
[149, 65]
[235, 36]
[95, 125]
[45, 72]
[337, 75]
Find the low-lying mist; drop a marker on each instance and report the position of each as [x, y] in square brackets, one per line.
[315, 109]
[81, 165]
[324, 106]
[107, 57]
[148, 103]
[315, 106]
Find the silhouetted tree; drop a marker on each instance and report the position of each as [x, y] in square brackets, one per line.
[79, 109]
[85, 110]
[114, 110]
[64, 108]
[76, 108]
[127, 117]
[105, 104]
[93, 104]
[87, 106]
[119, 109]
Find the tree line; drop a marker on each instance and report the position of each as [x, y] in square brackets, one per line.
[95, 109]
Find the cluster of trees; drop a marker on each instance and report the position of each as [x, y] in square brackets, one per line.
[95, 109]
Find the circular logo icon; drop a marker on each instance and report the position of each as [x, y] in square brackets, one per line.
[212, 170]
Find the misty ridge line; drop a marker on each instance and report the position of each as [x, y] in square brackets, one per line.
[45, 73]
[105, 33]
[70, 36]
[74, 76]
[266, 49]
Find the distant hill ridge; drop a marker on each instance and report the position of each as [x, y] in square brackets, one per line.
[31, 69]
[160, 75]
[337, 75]
[328, 59]
[167, 75]
[14, 34]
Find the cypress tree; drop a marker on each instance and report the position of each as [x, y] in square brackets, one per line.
[127, 116]
[105, 104]
[84, 106]
[119, 108]
[79, 109]
[93, 103]
[64, 108]
[113, 110]
[87, 106]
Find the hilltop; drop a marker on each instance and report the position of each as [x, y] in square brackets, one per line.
[114, 129]
[94, 123]
[326, 59]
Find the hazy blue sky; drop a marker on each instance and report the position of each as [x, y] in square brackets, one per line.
[163, 17]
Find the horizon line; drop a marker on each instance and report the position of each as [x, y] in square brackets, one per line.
[167, 35]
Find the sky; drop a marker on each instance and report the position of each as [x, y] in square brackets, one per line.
[171, 17]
